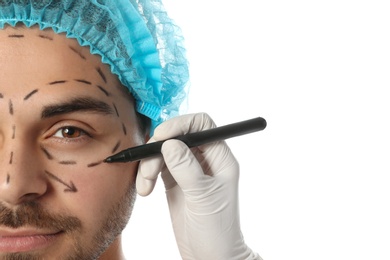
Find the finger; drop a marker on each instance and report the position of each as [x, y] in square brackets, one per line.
[183, 125]
[147, 174]
[182, 165]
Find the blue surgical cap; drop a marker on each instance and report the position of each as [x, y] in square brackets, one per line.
[136, 38]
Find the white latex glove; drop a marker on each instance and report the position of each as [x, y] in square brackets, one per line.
[202, 191]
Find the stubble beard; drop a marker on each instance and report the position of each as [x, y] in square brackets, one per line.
[32, 214]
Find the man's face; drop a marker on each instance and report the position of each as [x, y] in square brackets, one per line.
[61, 113]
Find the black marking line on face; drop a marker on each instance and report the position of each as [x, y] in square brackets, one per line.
[104, 90]
[48, 155]
[83, 81]
[116, 109]
[8, 178]
[99, 70]
[77, 52]
[94, 164]
[11, 157]
[116, 147]
[57, 82]
[13, 131]
[11, 107]
[45, 37]
[69, 187]
[124, 129]
[68, 162]
[30, 94]
[16, 36]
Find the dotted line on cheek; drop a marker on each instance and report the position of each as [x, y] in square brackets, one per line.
[10, 107]
[11, 157]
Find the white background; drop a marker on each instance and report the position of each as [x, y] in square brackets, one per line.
[315, 183]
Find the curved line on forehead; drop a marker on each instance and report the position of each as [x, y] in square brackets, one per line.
[57, 82]
[17, 36]
[102, 75]
[46, 37]
[78, 52]
[83, 81]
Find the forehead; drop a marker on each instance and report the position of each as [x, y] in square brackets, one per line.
[33, 56]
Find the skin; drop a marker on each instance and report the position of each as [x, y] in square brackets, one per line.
[62, 113]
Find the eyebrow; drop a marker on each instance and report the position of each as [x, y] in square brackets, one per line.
[81, 104]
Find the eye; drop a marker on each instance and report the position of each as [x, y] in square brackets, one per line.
[69, 132]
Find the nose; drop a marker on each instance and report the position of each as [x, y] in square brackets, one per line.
[22, 179]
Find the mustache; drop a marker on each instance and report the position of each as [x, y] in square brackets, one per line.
[32, 214]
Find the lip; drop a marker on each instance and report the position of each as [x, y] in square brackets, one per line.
[12, 241]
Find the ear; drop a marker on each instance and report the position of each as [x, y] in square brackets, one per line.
[147, 137]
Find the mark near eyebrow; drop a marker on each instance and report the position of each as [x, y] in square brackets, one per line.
[11, 107]
[8, 178]
[16, 36]
[57, 82]
[30, 94]
[77, 52]
[1, 95]
[48, 155]
[45, 37]
[99, 70]
[116, 110]
[116, 147]
[82, 104]
[104, 91]
[83, 81]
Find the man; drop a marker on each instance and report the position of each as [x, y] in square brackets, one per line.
[63, 111]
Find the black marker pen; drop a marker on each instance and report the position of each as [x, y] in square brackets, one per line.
[191, 140]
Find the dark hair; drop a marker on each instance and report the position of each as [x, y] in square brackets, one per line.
[144, 122]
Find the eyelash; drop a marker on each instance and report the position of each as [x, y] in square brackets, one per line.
[59, 134]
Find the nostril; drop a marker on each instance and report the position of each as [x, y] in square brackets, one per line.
[30, 197]
[17, 188]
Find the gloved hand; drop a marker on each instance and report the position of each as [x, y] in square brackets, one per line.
[202, 191]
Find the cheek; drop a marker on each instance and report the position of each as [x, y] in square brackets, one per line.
[98, 190]
[84, 158]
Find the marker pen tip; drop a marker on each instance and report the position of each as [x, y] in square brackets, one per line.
[107, 160]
